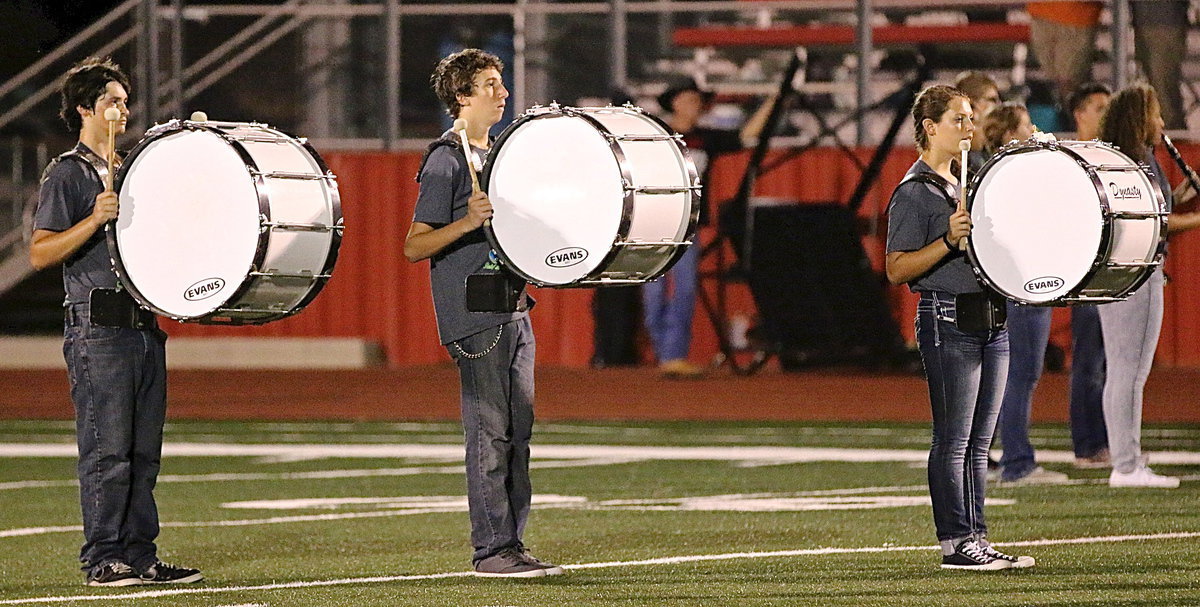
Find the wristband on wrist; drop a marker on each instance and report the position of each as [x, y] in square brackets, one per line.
[947, 241]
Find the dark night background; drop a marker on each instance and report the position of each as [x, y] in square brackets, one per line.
[31, 28]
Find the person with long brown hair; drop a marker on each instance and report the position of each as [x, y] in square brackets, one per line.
[960, 329]
[1134, 123]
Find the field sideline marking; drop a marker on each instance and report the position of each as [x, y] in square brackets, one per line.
[672, 560]
[445, 451]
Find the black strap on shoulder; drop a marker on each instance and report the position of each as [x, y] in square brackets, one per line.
[449, 138]
[936, 180]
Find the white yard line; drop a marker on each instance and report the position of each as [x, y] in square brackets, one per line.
[673, 560]
[445, 451]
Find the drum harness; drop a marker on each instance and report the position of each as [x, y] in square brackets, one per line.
[106, 307]
[973, 311]
[449, 139]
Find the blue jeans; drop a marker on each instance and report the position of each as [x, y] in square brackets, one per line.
[497, 417]
[1028, 333]
[119, 387]
[965, 372]
[668, 305]
[1089, 435]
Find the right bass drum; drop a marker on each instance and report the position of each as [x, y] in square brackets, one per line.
[1065, 222]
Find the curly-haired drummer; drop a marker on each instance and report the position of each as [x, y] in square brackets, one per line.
[494, 351]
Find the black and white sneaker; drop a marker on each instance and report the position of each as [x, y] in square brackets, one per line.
[549, 568]
[1018, 562]
[970, 556]
[114, 573]
[166, 573]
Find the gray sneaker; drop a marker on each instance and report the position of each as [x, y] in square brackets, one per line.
[509, 562]
[1037, 476]
[550, 568]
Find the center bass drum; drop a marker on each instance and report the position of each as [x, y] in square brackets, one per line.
[225, 223]
[588, 197]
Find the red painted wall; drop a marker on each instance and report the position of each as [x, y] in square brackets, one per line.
[376, 294]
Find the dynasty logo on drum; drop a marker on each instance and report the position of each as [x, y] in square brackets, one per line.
[1131, 192]
[567, 257]
[1045, 284]
[204, 289]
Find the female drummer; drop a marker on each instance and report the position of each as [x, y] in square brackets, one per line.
[960, 331]
[1134, 123]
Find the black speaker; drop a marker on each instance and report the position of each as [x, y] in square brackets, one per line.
[819, 299]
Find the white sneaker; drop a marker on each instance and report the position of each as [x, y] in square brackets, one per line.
[1142, 476]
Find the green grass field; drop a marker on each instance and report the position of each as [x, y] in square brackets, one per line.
[328, 515]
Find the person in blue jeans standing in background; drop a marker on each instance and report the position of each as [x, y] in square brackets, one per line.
[668, 303]
[1028, 333]
[960, 330]
[494, 351]
[114, 350]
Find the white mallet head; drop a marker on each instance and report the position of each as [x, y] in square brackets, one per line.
[460, 124]
[198, 116]
[964, 145]
[112, 114]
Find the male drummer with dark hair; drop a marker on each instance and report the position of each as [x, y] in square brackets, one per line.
[114, 349]
[494, 351]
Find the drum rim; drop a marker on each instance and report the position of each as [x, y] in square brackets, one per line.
[1073, 295]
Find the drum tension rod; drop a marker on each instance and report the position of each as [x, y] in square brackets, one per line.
[301, 227]
[645, 137]
[663, 190]
[289, 275]
[613, 281]
[1138, 214]
[1131, 264]
[287, 175]
[646, 244]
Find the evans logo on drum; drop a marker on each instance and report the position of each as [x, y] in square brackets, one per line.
[567, 257]
[1045, 284]
[1124, 193]
[204, 289]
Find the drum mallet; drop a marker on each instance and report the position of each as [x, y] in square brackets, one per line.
[198, 116]
[964, 146]
[460, 126]
[112, 115]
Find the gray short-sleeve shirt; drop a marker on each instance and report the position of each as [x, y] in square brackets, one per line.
[445, 188]
[66, 197]
[919, 214]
